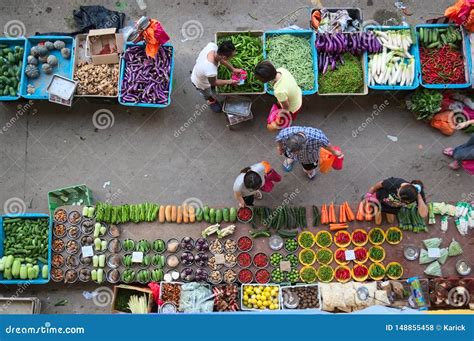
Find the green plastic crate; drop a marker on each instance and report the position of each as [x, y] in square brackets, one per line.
[74, 195]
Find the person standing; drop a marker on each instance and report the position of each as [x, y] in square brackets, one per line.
[302, 144]
[254, 180]
[204, 74]
[287, 93]
[463, 152]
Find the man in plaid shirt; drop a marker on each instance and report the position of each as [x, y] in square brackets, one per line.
[302, 144]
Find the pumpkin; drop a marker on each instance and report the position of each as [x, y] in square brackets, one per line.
[52, 60]
[34, 51]
[42, 50]
[32, 60]
[47, 69]
[32, 71]
[43, 59]
[66, 53]
[59, 44]
[49, 45]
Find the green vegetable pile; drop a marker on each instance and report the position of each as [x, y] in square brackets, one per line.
[107, 213]
[293, 259]
[249, 54]
[308, 274]
[324, 239]
[376, 253]
[425, 103]
[294, 54]
[325, 273]
[277, 276]
[376, 271]
[409, 219]
[25, 246]
[393, 236]
[307, 256]
[394, 270]
[291, 245]
[324, 256]
[347, 78]
[10, 69]
[275, 259]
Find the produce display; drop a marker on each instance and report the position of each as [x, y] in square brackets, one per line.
[145, 79]
[294, 53]
[323, 239]
[347, 78]
[342, 274]
[308, 274]
[393, 235]
[394, 270]
[25, 249]
[226, 298]
[359, 237]
[11, 62]
[425, 103]
[360, 272]
[306, 239]
[325, 273]
[376, 236]
[342, 238]
[260, 297]
[97, 80]
[300, 297]
[307, 257]
[324, 256]
[249, 52]
[410, 220]
[376, 253]
[376, 271]
[441, 55]
[394, 65]
[284, 220]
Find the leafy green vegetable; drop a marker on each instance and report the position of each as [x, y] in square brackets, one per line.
[347, 78]
[308, 274]
[294, 54]
[425, 103]
[394, 270]
[325, 273]
[324, 256]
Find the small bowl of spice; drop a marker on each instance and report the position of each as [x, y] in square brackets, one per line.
[216, 247]
[57, 274]
[230, 260]
[59, 230]
[72, 247]
[57, 260]
[230, 246]
[74, 217]
[74, 232]
[58, 245]
[230, 276]
[60, 215]
[215, 277]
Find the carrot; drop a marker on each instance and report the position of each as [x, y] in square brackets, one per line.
[332, 213]
[324, 214]
[342, 214]
[368, 213]
[337, 227]
[349, 213]
[360, 211]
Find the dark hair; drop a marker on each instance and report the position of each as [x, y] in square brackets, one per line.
[409, 193]
[265, 71]
[252, 180]
[226, 48]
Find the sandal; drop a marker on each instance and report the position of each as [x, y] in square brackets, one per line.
[448, 151]
[288, 166]
[455, 165]
[312, 175]
[258, 195]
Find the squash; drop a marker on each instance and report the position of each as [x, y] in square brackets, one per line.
[47, 69]
[161, 214]
[66, 53]
[32, 71]
[32, 60]
[192, 214]
[168, 213]
[173, 213]
[185, 214]
[52, 60]
[179, 215]
[42, 51]
[59, 44]
[49, 45]
[34, 51]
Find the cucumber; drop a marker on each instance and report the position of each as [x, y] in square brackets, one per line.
[199, 214]
[212, 216]
[218, 216]
[233, 214]
[206, 214]
[288, 233]
[225, 215]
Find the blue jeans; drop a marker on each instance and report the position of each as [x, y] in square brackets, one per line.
[465, 151]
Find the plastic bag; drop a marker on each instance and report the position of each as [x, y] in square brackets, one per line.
[443, 255]
[424, 258]
[444, 122]
[326, 159]
[468, 166]
[454, 249]
[434, 269]
[432, 242]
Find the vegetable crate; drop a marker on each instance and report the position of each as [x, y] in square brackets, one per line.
[466, 47]
[2, 237]
[11, 43]
[311, 36]
[74, 195]
[64, 67]
[242, 305]
[413, 51]
[80, 55]
[354, 12]
[121, 77]
[129, 290]
[301, 286]
[230, 33]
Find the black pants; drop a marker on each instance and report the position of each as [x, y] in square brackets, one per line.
[306, 166]
[249, 200]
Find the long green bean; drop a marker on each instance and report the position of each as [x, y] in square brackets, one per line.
[294, 54]
[347, 78]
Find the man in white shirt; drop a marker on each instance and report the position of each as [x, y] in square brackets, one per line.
[204, 75]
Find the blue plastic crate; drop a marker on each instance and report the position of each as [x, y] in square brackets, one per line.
[12, 42]
[413, 51]
[2, 236]
[467, 56]
[122, 71]
[312, 40]
[64, 68]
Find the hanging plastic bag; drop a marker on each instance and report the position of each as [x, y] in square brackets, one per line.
[326, 159]
[468, 166]
[338, 160]
[444, 122]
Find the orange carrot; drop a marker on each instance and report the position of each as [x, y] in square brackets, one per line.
[368, 213]
[349, 213]
[360, 211]
[337, 227]
[324, 214]
[342, 214]
[332, 213]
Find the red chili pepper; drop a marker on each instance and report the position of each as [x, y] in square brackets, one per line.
[260, 260]
[442, 66]
[262, 276]
[244, 243]
[245, 276]
[244, 259]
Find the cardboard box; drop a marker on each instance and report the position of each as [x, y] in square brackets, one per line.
[129, 290]
[104, 40]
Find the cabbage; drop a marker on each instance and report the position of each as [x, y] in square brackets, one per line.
[454, 248]
[424, 259]
[432, 242]
[443, 255]
[434, 269]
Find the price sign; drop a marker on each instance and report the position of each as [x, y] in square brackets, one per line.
[87, 251]
[137, 257]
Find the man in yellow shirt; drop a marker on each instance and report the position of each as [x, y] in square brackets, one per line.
[287, 92]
